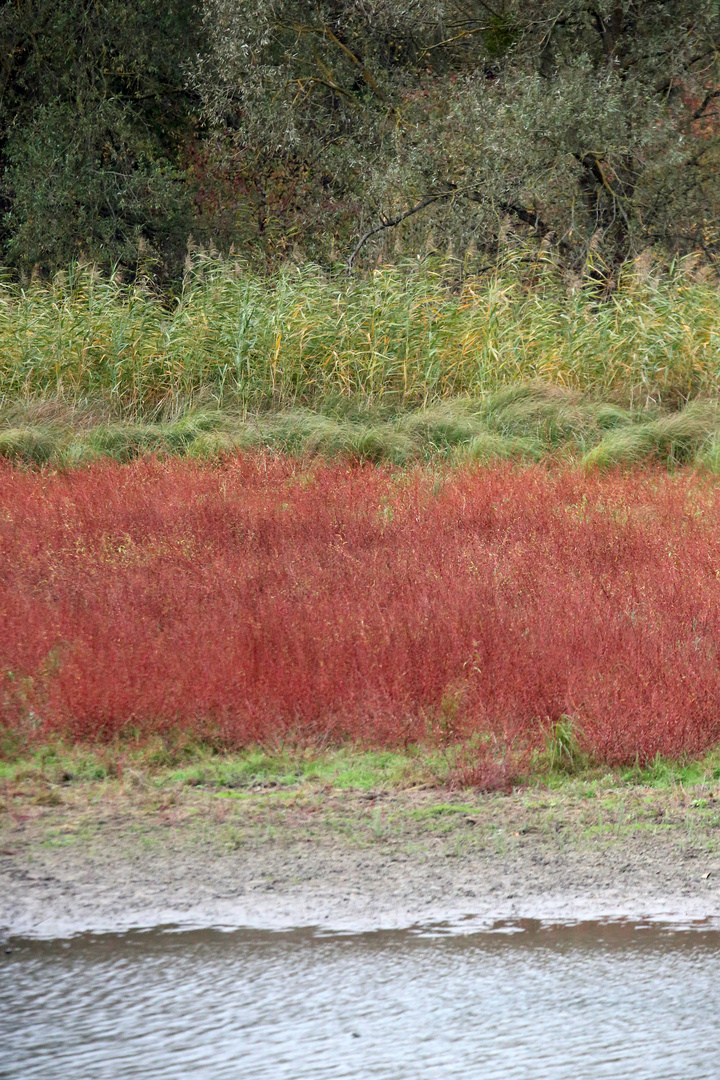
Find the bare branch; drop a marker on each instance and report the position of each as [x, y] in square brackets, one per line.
[365, 73]
[390, 223]
[325, 31]
[526, 216]
[451, 40]
[700, 111]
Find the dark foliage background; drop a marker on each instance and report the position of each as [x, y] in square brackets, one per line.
[132, 130]
[94, 125]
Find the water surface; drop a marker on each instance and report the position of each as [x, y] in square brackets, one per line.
[522, 1000]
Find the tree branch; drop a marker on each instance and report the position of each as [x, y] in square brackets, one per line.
[325, 31]
[526, 216]
[609, 29]
[451, 40]
[390, 223]
[314, 81]
[356, 60]
[700, 111]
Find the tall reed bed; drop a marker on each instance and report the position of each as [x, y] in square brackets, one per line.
[396, 334]
[262, 599]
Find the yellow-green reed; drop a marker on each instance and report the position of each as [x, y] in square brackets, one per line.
[395, 335]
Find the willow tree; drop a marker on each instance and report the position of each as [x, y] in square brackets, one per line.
[590, 125]
[94, 118]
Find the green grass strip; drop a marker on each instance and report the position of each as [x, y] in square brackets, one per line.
[528, 422]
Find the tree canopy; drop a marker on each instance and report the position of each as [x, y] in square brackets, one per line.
[353, 129]
[94, 117]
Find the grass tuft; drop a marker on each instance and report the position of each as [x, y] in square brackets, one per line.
[562, 747]
[490, 446]
[677, 439]
[27, 444]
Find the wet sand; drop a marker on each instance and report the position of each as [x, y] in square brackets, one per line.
[104, 858]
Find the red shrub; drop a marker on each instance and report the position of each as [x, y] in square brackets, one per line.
[262, 599]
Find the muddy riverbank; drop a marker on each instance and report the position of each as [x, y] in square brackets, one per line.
[114, 855]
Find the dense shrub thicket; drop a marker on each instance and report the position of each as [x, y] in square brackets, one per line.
[132, 130]
[265, 599]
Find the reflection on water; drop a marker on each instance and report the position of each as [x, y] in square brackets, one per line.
[527, 1000]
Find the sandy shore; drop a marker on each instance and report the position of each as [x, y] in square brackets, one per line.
[104, 858]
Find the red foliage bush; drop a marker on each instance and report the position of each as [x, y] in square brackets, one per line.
[262, 599]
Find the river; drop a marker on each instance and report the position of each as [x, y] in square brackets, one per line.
[512, 1000]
